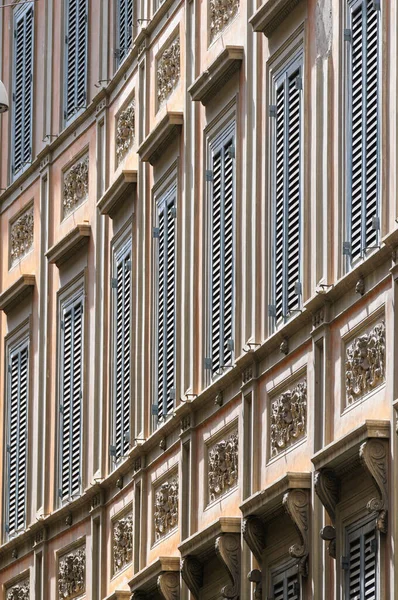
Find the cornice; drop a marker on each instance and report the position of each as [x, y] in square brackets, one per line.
[69, 244]
[109, 202]
[19, 290]
[146, 579]
[202, 542]
[160, 137]
[271, 14]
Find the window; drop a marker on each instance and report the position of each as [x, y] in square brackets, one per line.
[17, 437]
[121, 285]
[71, 392]
[360, 563]
[75, 96]
[22, 91]
[222, 254]
[363, 162]
[166, 303]
[286, 585]
[124, 22]
[286, 179]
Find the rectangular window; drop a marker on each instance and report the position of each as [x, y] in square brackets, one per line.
[124, 22]
[121, 284]
[75, 96]
[71, 396]
[286, 585]
[222, 253]
[363, 158]
[22, 91]
[166, 303]
[360, 563]
[287, 194]
[17, 437]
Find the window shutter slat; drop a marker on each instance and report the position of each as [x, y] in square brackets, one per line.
[361, 575]
[286, 585]
[76, 56]
[124, 28]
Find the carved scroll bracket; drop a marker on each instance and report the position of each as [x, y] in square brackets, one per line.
[326, 486]
[228, 550]
[253, 531]
[169, 585]
[192, 574]
[296, 503]
[374, 457]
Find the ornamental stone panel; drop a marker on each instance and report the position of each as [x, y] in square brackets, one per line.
[223, 466]
[19, 591]
[221, 13]
[365, 363]
[288, 418]
[166, 508]
[72, 574]
[168, 71]
[21, 236]
[125, 131]
[122, 542]
[75, 185]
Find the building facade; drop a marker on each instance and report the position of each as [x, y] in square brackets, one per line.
[199, 300]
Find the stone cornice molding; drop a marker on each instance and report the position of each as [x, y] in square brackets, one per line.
[199, 543]
[271, 14]
[17, 292]
[297, 506]
[110, 201]
[160, 137]
[69, 245]
[153, 578]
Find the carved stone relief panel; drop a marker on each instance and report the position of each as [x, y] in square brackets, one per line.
[223, 465]
[221, 13]
[21, 236]
[75, 185]
[19, 591]
[365, 363]
[125, 131]
[166, 507]
[288, 417]
[122, 542]
[168, 70]
[72, 574]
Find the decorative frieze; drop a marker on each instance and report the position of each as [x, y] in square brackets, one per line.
[168, 71]
[166, 508]
[125, 131]
[223, 466]
[19, 591]
[365, 363]
[288, 418]
[221, 13]
[21, 236]
[75, 185]
[72, 574]
[122, 542]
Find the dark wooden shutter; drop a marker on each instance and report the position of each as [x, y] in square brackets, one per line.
[18, 373]
[76, 57]
[361, 575]
[286, 585]
[123, 353]
[71, 399]
[125, 9]
[22, 90]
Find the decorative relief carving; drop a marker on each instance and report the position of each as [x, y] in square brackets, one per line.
[169, 585]
[75, 185]
[253, 531]
[288, 418]
[223, 466]
[186, 422]
[221, 13]
[166, 508]
[21, 236]
[192, 574]
[228, 550]
[318, 318]
[19, 591]
[247, 374]
[365, 363]
[326, 486]
[125, 131]
[296, 503]
[168, 71]
[122, 542]
[72, 574]
[374, 457]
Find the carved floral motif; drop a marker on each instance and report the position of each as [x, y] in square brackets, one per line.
[168, 73]
[20, 591]
[75, 185]
[288, 418]
[125, 131]
[166, 508]
[223, 466]
[365, 362]
[122, 542]
[72, 574]
[221, 13]
[21, 236]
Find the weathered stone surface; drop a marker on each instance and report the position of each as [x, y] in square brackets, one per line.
[221, 13]
[21, 236]
[19, 591]
[75, 185]
[166, 508]
[288, 418]
[122, 542]
[72, 574]
[125, 131]
[168, 71]
[223, 466]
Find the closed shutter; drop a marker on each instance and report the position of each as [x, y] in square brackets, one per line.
[76, 57]
[71, 400]
[122, 353]
[222, 254]
[361, 564]
[286, 585]
[166, 309]
[364, 117]
[22, 90]
[18, 372]
[124, 28]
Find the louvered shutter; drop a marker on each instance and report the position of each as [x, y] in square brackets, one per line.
[286, 585]
[18, 373]
[122, 353]
[166, 346]
[75, 57]
[222, 254]
[124, 28]
[363, 166]
[71, 400]
[22, 90]
[361, 576]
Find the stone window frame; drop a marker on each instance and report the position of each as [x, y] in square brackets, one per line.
[176, 33]
[84, 152]
[208, 444]
[80, 542]
[25, 208]
[171, 473]
[132, 96]
[126, 510]
[20, 578]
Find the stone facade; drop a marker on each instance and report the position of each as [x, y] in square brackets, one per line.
[75, 185]
[19, 591]
[72, 574]
[223, 470]
[221, 13]
[21, 236]
[288, 418]
[125, 131]
[122, 542]
[168, 71]
[166, 508]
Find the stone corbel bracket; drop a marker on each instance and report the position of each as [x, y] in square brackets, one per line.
[326, 486]
[296, 503]
[228, 551]
[253, 531]
[192, 574]
[169, 585]
[374, 458]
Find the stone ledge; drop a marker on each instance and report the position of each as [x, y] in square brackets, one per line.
[69, 245]
[160, 137]
[109, 202]
[146, 579]
[19, 290]
[202, 542]
[271, 14]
